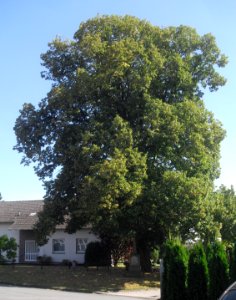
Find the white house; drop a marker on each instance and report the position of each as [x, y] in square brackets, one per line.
[17, 219]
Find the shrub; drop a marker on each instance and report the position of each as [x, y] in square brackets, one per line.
[8, 248]
[175, 271]
[66, 262]
[2, 260]
[233, 264]
[218, 270]
[44, 260]
[198, 277]
[97, 254]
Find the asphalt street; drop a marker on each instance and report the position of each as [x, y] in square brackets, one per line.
[24, 293]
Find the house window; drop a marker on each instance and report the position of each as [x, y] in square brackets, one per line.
[81, 245]
[58, 246]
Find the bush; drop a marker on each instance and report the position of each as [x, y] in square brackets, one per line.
[175, 271]
[97, 254]
[2, 260]
[66, 262]
[44, 260]
[233, 264]
[218, 270]
[8, 248]
[198, 277]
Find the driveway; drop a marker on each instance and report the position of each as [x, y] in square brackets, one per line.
[24, 293]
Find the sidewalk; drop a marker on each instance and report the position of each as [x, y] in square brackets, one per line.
[142, 294]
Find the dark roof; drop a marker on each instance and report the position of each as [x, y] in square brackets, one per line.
[21, 214]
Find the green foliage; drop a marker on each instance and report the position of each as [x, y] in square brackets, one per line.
[224, 201]
[233, 264]
[123, 140]
[155, 255]
[97, 254]
[208, 228]
[218, 270]
[8, 248]
[198, 276]
[175, 271]
[218, 217]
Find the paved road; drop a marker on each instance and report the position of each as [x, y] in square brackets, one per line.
[22, 293]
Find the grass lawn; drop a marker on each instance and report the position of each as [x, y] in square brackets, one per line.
[79, 279]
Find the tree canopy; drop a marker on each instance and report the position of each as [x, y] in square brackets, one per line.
[123, 140]
[221, 213]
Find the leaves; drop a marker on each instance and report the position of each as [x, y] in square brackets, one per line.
[8, 248]
[122, 140]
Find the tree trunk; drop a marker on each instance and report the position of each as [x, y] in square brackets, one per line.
[145, 256]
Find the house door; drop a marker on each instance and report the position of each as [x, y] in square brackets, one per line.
[31, 251]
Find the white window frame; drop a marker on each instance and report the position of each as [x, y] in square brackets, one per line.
[81, 245]
[60, 242]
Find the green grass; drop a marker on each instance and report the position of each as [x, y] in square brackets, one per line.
[79, 279]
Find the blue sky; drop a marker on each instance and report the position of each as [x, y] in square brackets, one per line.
[26, 27]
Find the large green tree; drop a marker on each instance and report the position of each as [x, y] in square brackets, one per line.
[123, 140]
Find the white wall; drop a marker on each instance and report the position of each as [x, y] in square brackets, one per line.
[4, 230]
[70, 245]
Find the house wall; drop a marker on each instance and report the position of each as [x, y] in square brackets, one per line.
[70, 245]
[4, 230]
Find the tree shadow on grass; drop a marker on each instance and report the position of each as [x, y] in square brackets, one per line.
[78, 279]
